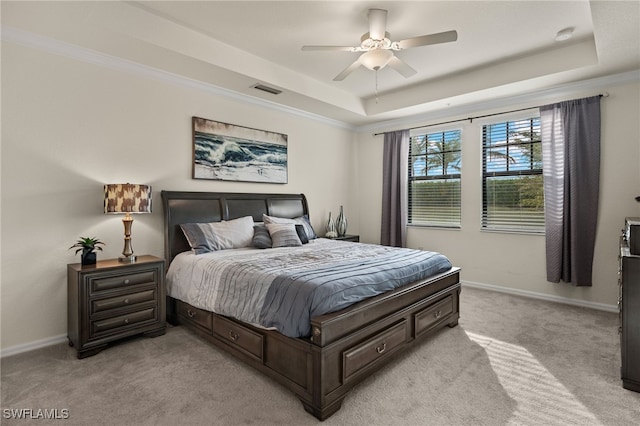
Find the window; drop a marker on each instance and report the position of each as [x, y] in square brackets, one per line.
[512, 192]
[434, 179]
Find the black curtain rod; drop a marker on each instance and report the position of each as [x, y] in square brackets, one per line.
[602, 95]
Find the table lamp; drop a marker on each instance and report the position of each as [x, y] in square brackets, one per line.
[127, 198]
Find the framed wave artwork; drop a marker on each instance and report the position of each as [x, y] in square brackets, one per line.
[223, 151]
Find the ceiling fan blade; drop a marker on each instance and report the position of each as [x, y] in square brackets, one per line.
[426, 40]
[331, 48]
[401, 66]
[377, 23]
[351, 68]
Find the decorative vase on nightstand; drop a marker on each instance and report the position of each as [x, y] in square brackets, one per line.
[88, 257]
[330, 230]
[341, 223]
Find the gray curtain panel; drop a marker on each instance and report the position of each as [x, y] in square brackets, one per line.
[394, 188]
[571, 159]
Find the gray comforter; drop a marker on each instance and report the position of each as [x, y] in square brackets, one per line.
[284, 288]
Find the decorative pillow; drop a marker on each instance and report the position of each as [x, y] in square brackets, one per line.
[206, 237]
[302, 234]
[283, 235]
[261, 237]
[302, 220]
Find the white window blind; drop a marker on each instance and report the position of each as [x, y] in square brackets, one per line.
[434, 179]
[512, 191]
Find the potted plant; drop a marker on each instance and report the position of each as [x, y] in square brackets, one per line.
[88, 247]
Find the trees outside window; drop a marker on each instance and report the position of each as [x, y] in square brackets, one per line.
[512, 188]
[435, 165]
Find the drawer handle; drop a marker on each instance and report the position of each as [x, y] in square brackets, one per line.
[382, 348]
[191, 313]
[126, 320]
[126, 282]
[438, 314]
[233, 336]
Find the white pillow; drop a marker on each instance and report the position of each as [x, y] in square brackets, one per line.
[206, 237]
[283, 235]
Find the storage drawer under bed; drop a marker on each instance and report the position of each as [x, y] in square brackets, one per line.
[234, 334]
[197, 316]
[432, 315]
[374, 349]
[238, 336]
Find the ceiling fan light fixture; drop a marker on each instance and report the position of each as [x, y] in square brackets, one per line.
[367, 43]
[376, 59]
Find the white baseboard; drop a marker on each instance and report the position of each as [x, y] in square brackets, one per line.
[26, 347]
[542, 296]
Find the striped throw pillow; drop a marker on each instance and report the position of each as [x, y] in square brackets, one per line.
[301, 220]
[283, 235]
[261, 237]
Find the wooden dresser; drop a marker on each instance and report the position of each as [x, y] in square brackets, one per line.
[629, 302]
[112, 300]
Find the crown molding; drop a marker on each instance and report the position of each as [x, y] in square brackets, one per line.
[568, 89]
[69, 50]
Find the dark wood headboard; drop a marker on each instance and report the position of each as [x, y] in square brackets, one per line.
[201, 207]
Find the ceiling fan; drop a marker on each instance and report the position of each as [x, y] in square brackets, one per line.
[378, 48]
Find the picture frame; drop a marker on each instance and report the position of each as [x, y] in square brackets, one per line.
[223, 151]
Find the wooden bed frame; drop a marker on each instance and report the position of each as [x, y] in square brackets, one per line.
[345, 347]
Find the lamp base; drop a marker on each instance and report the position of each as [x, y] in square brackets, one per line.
[127, 252]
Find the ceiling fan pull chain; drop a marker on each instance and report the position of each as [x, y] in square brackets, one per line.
[376, 86]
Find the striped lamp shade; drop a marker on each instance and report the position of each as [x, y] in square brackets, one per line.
[127, 198]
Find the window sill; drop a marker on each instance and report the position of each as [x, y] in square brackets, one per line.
[513, 231]
[449, 228]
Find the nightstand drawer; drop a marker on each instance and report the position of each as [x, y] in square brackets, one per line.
[121, 280]
[101, 305]
[238, 336]
[122, 321]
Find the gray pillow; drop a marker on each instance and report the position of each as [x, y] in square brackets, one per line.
[261, 237]
[301, 220]
[283, 235]
[302, 234]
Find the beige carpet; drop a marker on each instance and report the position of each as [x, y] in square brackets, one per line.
[511, 361]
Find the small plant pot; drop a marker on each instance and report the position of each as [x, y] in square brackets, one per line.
[88, 258]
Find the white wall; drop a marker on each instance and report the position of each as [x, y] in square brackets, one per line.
[516, 261]
[68, 127]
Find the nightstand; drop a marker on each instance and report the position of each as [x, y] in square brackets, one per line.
[112, 300]
[347, 237]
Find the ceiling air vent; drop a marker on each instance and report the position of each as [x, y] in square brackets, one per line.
[267, 89]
